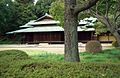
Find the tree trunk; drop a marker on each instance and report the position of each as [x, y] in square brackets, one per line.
[117, 36]
[70, 27]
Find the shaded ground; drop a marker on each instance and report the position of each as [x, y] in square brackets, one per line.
[52, 48]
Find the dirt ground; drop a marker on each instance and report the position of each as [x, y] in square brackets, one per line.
[50, 48]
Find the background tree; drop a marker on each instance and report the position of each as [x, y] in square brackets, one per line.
[70, 27]
[6, 16]
[42, 7]
[19, 12]
[14, 14]
[108, 13]
[24, 13]
[57, 11]
[105, 9]
[100, 28]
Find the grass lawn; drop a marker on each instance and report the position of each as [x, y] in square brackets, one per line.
[18, 64]
[109, 55]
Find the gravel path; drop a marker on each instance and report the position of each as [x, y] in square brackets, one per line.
[53, 48]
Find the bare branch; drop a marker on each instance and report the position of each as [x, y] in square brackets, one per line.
[85, 6]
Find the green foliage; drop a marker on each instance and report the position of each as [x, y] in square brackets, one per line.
[107, 9]
[11, 55]
[24, 13]
[6, 40]
[42, 7]
[93, 46]
[14, 14]
[100, 28]
[103, 4]
[115, 44]
[6, 16]
[57, 10]
[28, 68]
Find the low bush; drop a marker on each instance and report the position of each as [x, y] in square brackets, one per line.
[25, 67]
[48, 69]
[93, 46]
[10, 55]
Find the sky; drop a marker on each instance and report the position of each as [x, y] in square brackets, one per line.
[13, 0]
[35, 1]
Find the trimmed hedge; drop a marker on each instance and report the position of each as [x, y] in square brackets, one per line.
[47, 69]
[29, 68]
[93, 46]
[11, 55]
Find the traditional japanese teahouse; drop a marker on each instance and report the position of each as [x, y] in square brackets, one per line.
[46, 29]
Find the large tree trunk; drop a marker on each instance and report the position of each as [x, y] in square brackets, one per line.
[70, 26]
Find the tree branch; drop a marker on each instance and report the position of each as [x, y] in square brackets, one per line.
[98, 16]
[85, 6]
[104, 20]
[107, 8]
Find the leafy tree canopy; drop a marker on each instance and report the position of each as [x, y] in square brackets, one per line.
[57, 10]
[108, 13]
[100, 28]
[6, 15]
[14, 14]
[42, 7]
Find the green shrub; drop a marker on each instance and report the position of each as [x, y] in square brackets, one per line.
[30, 68]
[48, 69]
[93, 46]
[9, 55]
[115, 44]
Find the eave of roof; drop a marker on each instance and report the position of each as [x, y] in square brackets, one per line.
[46, 29]
[38, 29]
